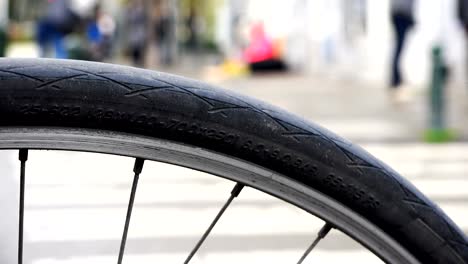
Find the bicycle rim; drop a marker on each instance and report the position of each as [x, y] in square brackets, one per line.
[237, 170]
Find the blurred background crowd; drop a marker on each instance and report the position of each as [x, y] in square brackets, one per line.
[356, 38]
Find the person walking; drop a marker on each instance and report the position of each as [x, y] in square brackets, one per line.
[164, 26]
[402, 20]
[462, 10]
[58, 21]
[463, 14]
[137, 22]
[3, 39]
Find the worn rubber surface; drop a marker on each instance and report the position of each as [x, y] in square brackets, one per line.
[38, 92]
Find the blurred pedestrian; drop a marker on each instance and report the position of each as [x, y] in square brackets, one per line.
[100, 33]
[193, 26]
[402, 20]
[107, 27]
[164, 26]
[4, 28]
[58, 21]
[260, 47]
[93, 33]
[137, 21]
[3, 39]
[463, 16]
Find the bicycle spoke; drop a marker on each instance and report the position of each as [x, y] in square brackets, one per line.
[23, 157]
[138, 167]
[234, 193]
[321, 234]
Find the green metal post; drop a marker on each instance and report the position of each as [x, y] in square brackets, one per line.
[438, 131]
[437, 84]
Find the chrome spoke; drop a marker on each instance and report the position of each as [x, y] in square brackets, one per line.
[23, 157]
[321, 234]
[234, 193]
[138, 167]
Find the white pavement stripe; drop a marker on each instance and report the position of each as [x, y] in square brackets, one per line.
[107, 223]
[251, 257]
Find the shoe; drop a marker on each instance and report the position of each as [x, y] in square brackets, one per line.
[400, 94]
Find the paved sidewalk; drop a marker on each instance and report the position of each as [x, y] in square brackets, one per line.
[359, 111]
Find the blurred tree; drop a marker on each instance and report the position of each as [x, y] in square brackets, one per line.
[199, 22]
[25, 10]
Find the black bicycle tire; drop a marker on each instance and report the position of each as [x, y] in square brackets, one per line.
[76, 94]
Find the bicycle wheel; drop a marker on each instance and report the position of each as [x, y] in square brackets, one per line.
[83, 106]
